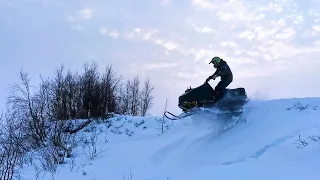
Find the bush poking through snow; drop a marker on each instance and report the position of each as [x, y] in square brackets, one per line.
[90, 146]
[315, 138]
[117, 129]
[38, 172]
[163, 125]
[297, 105]
[127, 176]
[72, 163]
[138, 124]
[129, 133]
[13, 147]
[303, 142]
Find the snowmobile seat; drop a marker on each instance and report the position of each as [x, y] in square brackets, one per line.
[240, 92]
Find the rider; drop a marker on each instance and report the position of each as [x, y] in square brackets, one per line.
[224, 71]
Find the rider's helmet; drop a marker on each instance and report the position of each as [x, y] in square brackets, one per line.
[215, 60]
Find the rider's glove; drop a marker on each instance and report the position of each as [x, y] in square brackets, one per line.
[214, 77]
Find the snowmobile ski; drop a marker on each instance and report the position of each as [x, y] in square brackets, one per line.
[196, 110]
[177, 117]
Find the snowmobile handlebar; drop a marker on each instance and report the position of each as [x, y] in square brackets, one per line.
[209, 78]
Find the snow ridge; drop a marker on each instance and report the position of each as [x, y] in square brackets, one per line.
[267, 137]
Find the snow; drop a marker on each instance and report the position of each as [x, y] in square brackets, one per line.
[263, 145]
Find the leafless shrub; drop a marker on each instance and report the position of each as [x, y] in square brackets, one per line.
[163, 125]
[297, 105]
[38, 172]
[108, 123]
[127, 176]
[301, 142]
[80, 167]
[84, 173]
[118, 119]
[315, 138]
[129, 133]
[90, 146]
[13, 146]
[138, 124]
[117, 129]
[72, 163]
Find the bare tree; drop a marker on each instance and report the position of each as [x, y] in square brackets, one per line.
[122, 101]
[146, 97]
[72, 91]
[29, 109]
[127, 98]
[91, 90]
[109, 86]
[59, 95]
[135, 96]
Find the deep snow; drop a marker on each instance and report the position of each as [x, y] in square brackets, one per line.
[264, 145]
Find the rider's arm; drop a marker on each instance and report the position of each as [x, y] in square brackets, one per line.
[222, 70]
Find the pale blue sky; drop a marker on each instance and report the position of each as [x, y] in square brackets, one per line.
[273, 47]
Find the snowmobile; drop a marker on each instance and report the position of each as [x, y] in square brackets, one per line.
[204, 98]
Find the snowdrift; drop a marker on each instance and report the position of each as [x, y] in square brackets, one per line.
[278, 139]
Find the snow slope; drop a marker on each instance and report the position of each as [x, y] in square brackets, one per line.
[264, 145]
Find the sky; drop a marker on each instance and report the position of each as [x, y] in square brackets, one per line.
[272, 46]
